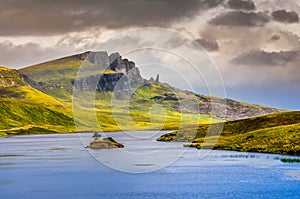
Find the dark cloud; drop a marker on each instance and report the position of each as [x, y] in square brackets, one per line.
[208, 44]
[285, 16]
[263, 58]
[275, 38]
[241, 4]
[240, 18]
[36, 17]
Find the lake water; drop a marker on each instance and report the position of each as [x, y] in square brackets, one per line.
[58, 166]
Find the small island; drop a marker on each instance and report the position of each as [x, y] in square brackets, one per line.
[106, 143]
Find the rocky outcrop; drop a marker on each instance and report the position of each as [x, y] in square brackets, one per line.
[217, 107]
[42, 86]
[107, 143]
[232, 110]
[120, 65]
[157, 79]
[126, 75]
[10, 78]
[107, 82]
[122, 75]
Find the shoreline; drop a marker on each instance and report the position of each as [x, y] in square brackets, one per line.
[76, 132]
[213, 149]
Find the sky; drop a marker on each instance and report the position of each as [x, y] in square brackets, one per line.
[254, 44]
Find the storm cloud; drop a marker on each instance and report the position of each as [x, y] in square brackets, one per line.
[208, 44]
[263, 58]
[240, 18]
[275, 38]
[241, 4]
[47, 17]
[285, 16]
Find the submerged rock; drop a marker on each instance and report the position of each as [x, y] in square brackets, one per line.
[106, 143]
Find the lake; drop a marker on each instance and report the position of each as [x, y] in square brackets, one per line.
[58, 166]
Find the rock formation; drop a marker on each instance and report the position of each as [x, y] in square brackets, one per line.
[126, 75]
[157, 79]
[106, 143]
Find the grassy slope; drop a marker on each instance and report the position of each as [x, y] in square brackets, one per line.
[62, 71]
[142, 113]
[276, 133]
[25, 110]
[28, 111]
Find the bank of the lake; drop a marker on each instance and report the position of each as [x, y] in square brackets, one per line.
[275, 133]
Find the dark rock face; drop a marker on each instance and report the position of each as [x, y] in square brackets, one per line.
[126, 75]
[107, 82]
[122, 65]
[113, 57]
[157, 79]
[42, 86]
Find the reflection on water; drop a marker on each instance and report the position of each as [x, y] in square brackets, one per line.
[58, 166]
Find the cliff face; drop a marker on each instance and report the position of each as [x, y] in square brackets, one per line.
[118, 74]
[42, 86]
[106, 82]
[124, 77]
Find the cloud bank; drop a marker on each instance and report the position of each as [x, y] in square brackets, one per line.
[48, 17]
[262, 58]
[241, 18]
[241, 4]
[285, 16]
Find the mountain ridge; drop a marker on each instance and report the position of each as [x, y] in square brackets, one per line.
[102, 72]
[47, 88]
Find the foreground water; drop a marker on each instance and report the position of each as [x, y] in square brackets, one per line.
[58, 166]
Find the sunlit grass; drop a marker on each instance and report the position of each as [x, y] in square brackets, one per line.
[276, 133]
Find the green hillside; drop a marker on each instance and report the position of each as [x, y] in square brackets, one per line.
[140, 111]
[275, 133]
[53, 72]
[153, 105]
[25, 110]
[59, 74]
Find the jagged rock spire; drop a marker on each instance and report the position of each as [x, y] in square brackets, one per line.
[157, 78]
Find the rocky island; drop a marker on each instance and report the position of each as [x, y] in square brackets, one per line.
[106, 143]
